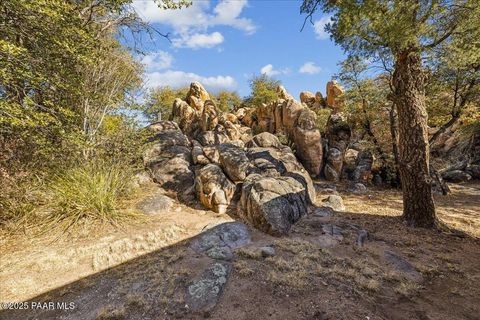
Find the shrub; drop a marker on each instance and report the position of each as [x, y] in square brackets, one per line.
[92, 190]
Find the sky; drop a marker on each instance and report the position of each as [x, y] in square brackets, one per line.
[223, 43]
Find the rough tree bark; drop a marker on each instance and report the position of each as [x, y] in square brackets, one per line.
[408, 81]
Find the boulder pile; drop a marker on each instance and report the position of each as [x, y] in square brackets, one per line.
[216, 159]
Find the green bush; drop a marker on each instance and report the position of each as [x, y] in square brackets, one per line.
[92, 190]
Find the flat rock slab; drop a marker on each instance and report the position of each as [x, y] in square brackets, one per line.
[204, 293]
[229, 235]
[155, 204]
[402, 265]
[332, 236]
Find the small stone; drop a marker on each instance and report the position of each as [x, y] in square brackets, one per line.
[155, 204]
[335, 202]
[358, 188]
[267, 251]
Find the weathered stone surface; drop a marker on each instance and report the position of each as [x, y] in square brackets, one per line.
[163, 126]
[402, 265]
[228, 234]
[211, 152]
[211, 138]
[185, 115]
[213, 188]
[272, 204]
[267, 252]
[335, 202]
[358, 188]
[319, 100]
[197, 95]
[456, 176]
[232, 131]
[283, 94]
[308, 98]
[351, 158]
[155, 204]
[204, 293]
[323, 212]
[227, 116]
[273, 163]
[362, 238]
[338, 135]
[363, 166]
[169, 159]
[162, 142]
[209, 119]
[265, 140]
[334, 91]
[174, 174]
[220, 253]
[474, 171]
[233, 161]
[198, 156]
[308, 142]
[141, 179]
[290, 111]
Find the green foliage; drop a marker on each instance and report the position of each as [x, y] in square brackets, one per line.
[160, 102]
[66, 84]
[227, 100]
[366, 28]
[322, 118]
[264, 90]
[121, 140]
[91, 190]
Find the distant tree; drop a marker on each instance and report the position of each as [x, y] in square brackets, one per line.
[364, 97]
[160, 101]
[227, 100]
[264, 90]
[409, 30]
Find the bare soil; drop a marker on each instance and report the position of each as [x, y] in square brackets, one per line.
[318, 272]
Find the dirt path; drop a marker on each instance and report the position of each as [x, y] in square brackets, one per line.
[318, 272]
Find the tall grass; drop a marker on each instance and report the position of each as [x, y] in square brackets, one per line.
[90, 191]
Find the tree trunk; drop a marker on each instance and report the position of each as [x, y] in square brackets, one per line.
[408, 81]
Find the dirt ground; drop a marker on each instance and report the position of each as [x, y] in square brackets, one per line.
[319, 271]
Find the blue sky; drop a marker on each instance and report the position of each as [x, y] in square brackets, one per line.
[222, 43]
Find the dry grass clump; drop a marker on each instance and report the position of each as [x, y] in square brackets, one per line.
[249, 253]
[111, 313]
[310, 262]
[407, 288]
[242, 268]
[89, 192]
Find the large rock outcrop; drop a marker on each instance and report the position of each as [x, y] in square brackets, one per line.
[296, 121]
[271, 185]
[338, 135]
[308, 142]
[272, 204]
[213, 188]
[169, 159]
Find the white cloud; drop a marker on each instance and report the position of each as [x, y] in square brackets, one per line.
[177, 79]
[319, 27]
[197, 18]
[270, 71]
[157, 60]
[198, 40]
[310, 68]
[228, 12]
